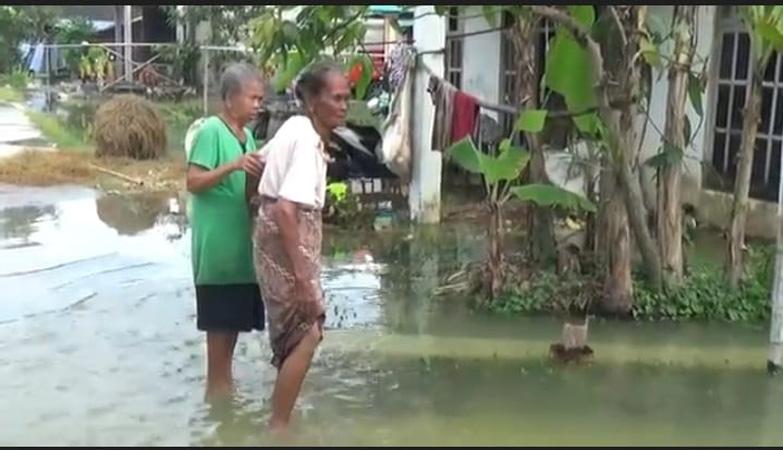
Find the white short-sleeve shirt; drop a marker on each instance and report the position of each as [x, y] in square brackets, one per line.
[295, 164]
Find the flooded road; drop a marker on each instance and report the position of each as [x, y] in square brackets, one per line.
[98, 346]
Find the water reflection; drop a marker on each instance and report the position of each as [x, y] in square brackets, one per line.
[133, 213]
[20, 222]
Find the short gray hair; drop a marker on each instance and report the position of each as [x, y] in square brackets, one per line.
[312, 80]
[234, 76]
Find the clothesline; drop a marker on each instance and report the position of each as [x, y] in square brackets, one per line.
[484, 104]
[512, 110]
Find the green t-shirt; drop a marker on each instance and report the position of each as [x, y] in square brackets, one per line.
[222, 247]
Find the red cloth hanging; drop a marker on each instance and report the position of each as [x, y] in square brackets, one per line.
[465, 113]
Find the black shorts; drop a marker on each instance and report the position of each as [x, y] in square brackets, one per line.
[230, 307]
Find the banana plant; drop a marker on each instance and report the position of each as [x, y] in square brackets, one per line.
[501, 175]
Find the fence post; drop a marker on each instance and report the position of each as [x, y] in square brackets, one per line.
[205, 88]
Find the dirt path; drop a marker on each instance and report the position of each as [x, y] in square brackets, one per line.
[17, 132]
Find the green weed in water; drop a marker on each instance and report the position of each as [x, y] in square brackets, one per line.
[704, 296]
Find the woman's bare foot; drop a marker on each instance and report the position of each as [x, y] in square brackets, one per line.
[279, 431]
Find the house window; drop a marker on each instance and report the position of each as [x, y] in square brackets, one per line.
[454, 49]
[733, 78]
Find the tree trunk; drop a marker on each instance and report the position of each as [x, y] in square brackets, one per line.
[495, 270]
[736, 241]
[626, 205]
[669, 210]
[618, 285]
[622, 146]
[541, 235]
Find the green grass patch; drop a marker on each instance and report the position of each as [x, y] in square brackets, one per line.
[9, 94]
[56, 132]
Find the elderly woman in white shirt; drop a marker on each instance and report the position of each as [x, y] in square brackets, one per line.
[288, 235]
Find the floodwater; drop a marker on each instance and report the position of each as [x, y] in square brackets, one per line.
[98, 346]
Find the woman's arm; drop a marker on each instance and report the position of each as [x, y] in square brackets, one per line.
[200, 179]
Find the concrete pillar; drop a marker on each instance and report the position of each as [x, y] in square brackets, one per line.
[180, 24]
[128, 39]
[429, 34]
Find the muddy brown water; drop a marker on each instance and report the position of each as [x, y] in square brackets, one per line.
[98, 346]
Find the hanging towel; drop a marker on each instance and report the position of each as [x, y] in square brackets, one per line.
[395, 148]
[442, 93]
[465, 113]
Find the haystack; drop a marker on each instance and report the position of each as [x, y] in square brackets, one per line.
[129, 126]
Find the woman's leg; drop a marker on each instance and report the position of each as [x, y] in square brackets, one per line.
[290, 377]
[220, 354]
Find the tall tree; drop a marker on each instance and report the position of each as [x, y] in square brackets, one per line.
[765, 27]
[669, 209]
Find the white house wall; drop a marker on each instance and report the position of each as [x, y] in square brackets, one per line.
[481, 59]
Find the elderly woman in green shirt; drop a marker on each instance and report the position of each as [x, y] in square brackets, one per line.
[222, 167]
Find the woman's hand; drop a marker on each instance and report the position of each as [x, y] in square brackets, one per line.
[251, 163]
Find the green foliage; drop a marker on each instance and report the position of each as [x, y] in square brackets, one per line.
[765, 27]
[505, 167]
[565, 59]
[548, 195]
[12, 33]
[228, 23]
[228, 26]
[74, 31]
[546, 293]
[9, 94]
[696, 85]
[532, 120]
[338, 191]
[94, 64]
[39, 21]
[289, 45]
[584, 14]
[344, 208]
[183, 59]
[57, 132]
[18, 79]
[669, 156]
[706, 295]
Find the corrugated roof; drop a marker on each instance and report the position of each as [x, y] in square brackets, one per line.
[385, 9]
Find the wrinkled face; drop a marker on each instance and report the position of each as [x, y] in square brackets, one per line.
[245, 104]
[330, 107]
